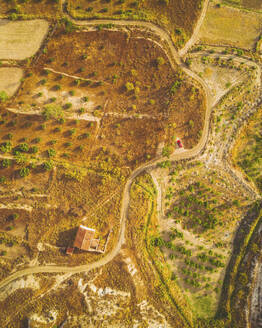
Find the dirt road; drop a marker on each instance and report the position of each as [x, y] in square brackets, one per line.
[194, 36]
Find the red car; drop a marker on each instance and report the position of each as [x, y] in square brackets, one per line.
[179, 143]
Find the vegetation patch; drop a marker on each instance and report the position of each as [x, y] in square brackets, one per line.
[197, 232]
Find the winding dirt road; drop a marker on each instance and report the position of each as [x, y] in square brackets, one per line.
[177, 155]
[194, 36]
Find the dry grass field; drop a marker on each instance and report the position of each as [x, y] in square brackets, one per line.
[10, 79]
[230, 26]
[20, 40]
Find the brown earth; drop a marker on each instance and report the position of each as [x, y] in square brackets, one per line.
[93, 158]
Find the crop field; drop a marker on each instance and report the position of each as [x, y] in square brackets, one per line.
[217, 27]
[29, 8]
[179, 17]
[20, 40]
[10, 79]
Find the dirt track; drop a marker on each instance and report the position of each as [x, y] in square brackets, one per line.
[126, 194]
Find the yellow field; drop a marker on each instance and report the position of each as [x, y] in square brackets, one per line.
[10, 79]
[21, 39]
[230, 26]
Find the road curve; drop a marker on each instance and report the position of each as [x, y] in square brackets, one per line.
[177, 155]
[194, 36]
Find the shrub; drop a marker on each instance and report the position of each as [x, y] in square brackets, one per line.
[61, 120]
[24, 171]
[129, 86]
[13, 16]
[72, 131]
[6, 162]
[37, 140]
[34, 149]
[2, 179]
[20, 158]
[85, 99]
[51, 152]
[68, 105]
[9, 136]
[47, 166]
[57, 87]
[160, 61]
[3, 96]
[167, 150]
[52, 111]
[23, 147]
[6, 147]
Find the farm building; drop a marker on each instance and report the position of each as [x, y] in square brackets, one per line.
[85, 241]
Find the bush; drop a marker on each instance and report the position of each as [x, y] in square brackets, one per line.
[13, 16]
[85, 99]
[51, 152]
[57, 87]
[160, 61]
[6, 162]
[23, 147]
[3, 96]
[129, 86]
[24, 171]
[34, 149]
[6, 147]
[52, 111]
[37, 140]
[68, 105]
[47, 166]
[72, 131]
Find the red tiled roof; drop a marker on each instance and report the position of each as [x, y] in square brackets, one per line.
[84, 237]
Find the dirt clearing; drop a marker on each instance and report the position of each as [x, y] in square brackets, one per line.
[20, 40]
[229, 26]
[10, 79]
